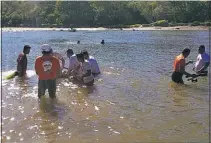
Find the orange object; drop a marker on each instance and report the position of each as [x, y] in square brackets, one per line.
[47, 67]
[179, 63]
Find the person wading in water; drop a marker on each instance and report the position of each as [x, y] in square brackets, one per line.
[179, 67]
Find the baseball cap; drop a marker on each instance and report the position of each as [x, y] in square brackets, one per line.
[46, 48]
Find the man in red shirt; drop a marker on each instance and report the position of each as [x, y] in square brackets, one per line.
[179, 67]
[47, 67]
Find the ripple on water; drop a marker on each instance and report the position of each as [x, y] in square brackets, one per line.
[128, 76]
[96, 108]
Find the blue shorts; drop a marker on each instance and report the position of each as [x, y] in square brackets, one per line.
[47, 84]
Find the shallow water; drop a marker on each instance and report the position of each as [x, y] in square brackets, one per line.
[133, 100]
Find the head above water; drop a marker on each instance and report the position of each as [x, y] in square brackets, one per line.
[186, 52]
[86, 54]
[102, 42]
[69, 53]
[46, 49]
[26, 49]
[201, 49]
[78, 42]
[80, 57]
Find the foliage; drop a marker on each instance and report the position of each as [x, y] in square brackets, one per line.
[102, 13]
[195, 23]
[162, 23]
[146, 25]
[208, 23]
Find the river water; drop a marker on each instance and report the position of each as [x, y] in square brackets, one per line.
[133, 100]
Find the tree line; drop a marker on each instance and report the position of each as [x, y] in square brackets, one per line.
[101, 13]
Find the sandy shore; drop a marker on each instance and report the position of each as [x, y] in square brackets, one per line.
[13, 29]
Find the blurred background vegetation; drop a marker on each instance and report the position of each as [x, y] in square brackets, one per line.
[111, 14]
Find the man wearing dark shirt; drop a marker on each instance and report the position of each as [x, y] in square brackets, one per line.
[22, 61]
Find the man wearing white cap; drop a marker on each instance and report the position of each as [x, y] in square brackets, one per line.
[47, 67]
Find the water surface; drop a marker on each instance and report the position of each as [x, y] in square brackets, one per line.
[133, 99]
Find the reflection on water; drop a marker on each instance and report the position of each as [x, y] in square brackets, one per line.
[133, 100]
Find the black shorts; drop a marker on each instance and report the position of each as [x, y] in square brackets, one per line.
[89, 83]
[47, 84]
[177, 77]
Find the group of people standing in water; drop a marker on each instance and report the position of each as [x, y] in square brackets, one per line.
[82, 67]
[200, 67]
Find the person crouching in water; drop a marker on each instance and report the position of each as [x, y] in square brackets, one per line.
[47, 67]
[92, 61]
[73, 65]
[87, 76]
[179, 67]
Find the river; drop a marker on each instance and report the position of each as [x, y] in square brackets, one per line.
[133, 99]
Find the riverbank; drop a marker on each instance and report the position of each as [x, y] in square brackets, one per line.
[13, 29]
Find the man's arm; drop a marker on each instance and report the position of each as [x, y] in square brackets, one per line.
[36, 66]
[20, 66]
[182, 68]
[189, 62]
[58, 65]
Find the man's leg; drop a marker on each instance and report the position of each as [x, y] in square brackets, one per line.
[52, 88]
[41, 88]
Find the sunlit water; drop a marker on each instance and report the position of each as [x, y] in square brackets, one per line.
[133, 100]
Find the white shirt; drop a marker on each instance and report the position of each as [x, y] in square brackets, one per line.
[85, 67]
[73, 62]
[202, 59]
[94, 65]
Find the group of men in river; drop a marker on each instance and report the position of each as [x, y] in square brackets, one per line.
[200, 67]
[82, 67]
[51, 65]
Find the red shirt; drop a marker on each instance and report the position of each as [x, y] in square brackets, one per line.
[47, 67]
[179, 63]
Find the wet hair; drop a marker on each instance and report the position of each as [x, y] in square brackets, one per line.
[202, 47]
[84, 52]
[70, 51]
[186, 51]
[80, 56]
[26, 47]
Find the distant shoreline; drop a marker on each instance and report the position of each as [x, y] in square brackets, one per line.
[104, 29]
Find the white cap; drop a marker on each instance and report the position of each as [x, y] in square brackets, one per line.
[46, 48]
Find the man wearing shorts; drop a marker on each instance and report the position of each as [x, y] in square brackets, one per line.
[47, 67]
[179, 67]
